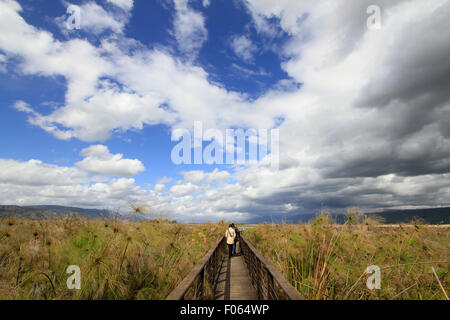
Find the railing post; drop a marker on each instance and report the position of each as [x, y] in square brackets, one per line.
[214, 266]
[202, 282]
[260, 293]
[270, 286]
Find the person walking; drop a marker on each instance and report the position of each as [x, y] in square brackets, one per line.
[236, 239]
[230, 235]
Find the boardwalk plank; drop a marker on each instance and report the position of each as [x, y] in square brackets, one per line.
[234, 281]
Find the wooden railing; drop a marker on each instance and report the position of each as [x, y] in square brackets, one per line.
[269, 283]
[200, 283]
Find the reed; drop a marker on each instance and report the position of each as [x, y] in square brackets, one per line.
[326, 261]
[118, 259]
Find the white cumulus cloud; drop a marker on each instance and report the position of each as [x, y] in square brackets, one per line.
[243, 47]
[37, 173]
[98, 160]
[126, 5]
[189, 28]
[184, 189]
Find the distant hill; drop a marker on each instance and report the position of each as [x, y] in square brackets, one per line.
[47, 212]
[302, 218]
[428, 216]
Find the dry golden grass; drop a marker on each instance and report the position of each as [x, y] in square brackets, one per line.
[325, 261]
[146, 260]
[118, 260]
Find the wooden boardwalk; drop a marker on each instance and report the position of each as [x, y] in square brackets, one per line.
[230, 278]
[234, 281]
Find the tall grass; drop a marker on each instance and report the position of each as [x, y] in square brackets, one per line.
[325, 261]
[118, 259]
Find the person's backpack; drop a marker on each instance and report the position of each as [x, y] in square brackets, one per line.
[238, 233]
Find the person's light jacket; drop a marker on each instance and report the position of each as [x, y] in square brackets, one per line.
[230, 234]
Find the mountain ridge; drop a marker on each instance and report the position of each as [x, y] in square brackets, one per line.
[428, 216]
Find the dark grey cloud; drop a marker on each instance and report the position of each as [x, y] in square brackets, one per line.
[418, 64]
[411, 96]
[431, 158]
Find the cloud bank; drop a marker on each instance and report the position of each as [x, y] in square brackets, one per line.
[369, 126]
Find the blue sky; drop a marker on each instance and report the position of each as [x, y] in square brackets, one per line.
[150, 25]
[87, 115]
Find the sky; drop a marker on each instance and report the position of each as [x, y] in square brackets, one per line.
[93, 93]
